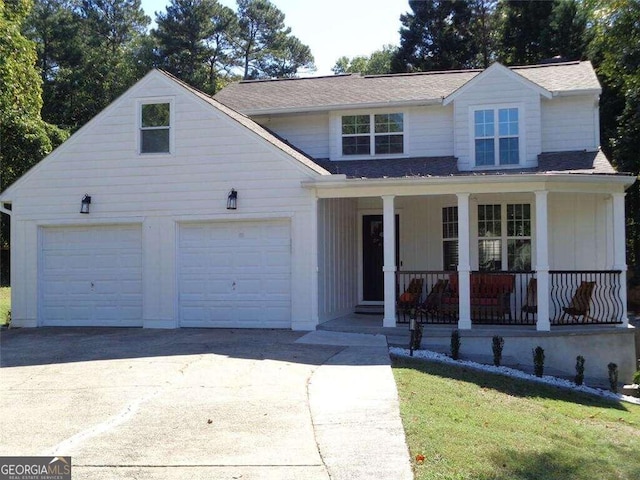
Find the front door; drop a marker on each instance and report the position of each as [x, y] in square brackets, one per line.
[373, 257]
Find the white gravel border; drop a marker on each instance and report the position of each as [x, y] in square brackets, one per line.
[512, 372]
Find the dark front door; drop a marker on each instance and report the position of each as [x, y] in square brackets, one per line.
[373, 257]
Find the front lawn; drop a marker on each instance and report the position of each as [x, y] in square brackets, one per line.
[473, 425]
[5, 303]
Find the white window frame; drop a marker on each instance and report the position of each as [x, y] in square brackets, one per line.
[450, 239]
[139, 128]
[372, 135]
[496, 136]
[504, 236]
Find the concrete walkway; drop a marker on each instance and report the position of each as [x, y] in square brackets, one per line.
[354, 408]
[202, 404]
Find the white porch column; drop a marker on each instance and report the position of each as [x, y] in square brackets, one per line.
[619, 251]
[542, 260]
[464, 263]
[389, 268]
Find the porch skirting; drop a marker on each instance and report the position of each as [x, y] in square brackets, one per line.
[599, 345]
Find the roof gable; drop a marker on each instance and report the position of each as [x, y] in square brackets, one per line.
[137, 91]
[496, 69]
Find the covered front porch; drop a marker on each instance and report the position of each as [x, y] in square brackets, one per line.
[535, 251]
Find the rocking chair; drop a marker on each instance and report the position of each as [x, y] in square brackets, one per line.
[579, 306]
[411, 296]
[431, 305]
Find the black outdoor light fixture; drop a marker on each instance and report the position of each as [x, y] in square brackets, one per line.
[232, 200]
[84, 205]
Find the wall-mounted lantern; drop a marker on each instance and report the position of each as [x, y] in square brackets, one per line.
[84, 205]
[232, 200]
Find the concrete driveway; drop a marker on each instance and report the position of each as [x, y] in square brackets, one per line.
[202, 404]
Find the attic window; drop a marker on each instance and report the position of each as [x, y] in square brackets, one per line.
[155, 128]
[374, 134]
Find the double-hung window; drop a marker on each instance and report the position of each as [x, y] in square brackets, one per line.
[496, 136]
[504, 237]
[373, 134]
[500, 225]
[155, 126]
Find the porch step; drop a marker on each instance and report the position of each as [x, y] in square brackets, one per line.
[369, 309]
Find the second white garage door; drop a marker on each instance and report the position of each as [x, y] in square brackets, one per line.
[235, 274]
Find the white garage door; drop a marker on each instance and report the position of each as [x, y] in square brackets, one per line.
[235, 274]
[91, 276]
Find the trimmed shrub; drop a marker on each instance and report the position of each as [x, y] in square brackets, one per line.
[613, 377]
[455, 344]
[538, 361]
[579, 370]
[497, 346]
[416, 337]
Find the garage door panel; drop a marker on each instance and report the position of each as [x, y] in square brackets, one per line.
[91, 276]
[235, 274]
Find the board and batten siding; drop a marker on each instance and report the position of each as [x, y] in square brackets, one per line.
[211, 154]
[570, 123]
[337, 257]
[580, 231]
[496, 90]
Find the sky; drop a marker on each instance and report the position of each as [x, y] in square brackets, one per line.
[332, 28]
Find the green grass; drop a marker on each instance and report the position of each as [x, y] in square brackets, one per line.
[5, 303]
[481, 426]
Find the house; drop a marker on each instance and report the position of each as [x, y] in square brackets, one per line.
[287, 203]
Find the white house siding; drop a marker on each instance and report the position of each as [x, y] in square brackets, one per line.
[580, 227]
[496, 89]
[211, 154]
[308, 132]
[569, 123]
[337, 257]
[430, 131]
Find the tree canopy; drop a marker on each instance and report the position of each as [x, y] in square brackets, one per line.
[378, 63]
[24, 137]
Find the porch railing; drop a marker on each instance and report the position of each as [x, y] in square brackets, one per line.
[586, 297]
[510, 298]
[426, 306]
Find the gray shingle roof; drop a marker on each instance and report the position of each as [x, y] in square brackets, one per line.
[326, 93]
[580, 162]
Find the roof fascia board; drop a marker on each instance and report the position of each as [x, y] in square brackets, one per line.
[577, 91]
[506, 71]
[333, 182]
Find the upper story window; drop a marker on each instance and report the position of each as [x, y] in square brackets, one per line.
[374, 134]
[155, 126]
[497, 136]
